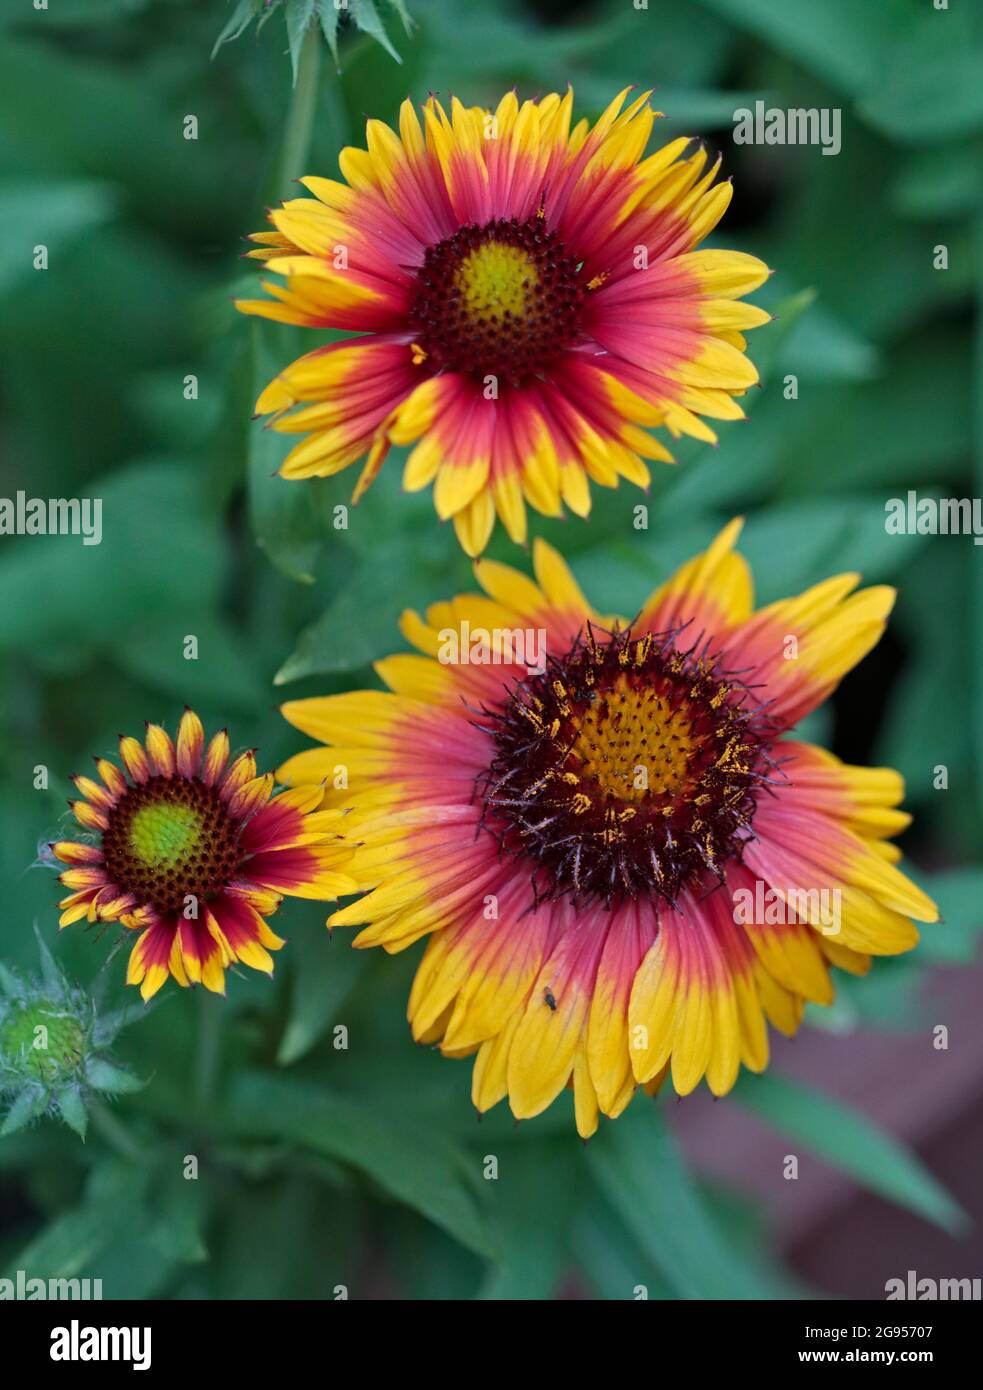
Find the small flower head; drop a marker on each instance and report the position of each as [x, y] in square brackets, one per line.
[195, 853]
[54, 1049]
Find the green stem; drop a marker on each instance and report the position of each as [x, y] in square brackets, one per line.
[300, 117]
[115, 1133]
[209, 1053]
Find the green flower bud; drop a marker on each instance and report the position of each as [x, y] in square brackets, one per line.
[54, 1049]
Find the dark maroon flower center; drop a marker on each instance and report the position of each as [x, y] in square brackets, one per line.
[501, 300]
[630, 767]
[171, 838]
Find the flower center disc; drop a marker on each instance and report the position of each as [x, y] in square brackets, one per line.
[169, 838]
[627, 768]
[500, 300]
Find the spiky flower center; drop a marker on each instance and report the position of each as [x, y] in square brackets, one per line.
[629, 767]
[171, 838]
[500, 300]
[43, 1039]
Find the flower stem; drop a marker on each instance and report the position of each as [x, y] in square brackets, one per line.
[115, 1133]
[209, 1052]
[300, 117]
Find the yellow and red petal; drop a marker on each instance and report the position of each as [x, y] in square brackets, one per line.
[190, 742]
[149, 963]
[72, 852]
[161, 751]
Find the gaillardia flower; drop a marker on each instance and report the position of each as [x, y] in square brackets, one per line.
[625, 866]
[529, 300]
[195, 855]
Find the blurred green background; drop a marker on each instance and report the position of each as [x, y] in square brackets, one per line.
[363, 1167]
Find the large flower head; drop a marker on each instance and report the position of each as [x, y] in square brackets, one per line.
[530, 301]
[625, 866]
[195, 853]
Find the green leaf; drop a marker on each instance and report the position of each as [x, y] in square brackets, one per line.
[11, 984]
[26, 1106]
[534, 1198]
[156, 555]
[849, 1141]
[113, 1203]
[107, 1076]
[608, 1257]
[223, 673]
[52, 212]
[300, 13]
[976, 582]
[237, 22]
[929, 720]
[637, 1165]
[391, 572]
[325, 971]
[71, 1107]
[366, 16]
[932, 68]
[327, 13]
[54, 980]
[76, 12]
[929, 188]
[822, 347]
[414, 1164]
[176, 1224]
[838, 40]
[289, 519]
[959, 894]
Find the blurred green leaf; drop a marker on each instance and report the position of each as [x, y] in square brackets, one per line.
[535, 1195]
[237, 22]
[609, 1258]
[53, 213]
[839, 40]
[289, 518]
[414, 1164]
[959, 894]
[928, 187]
[64, 1248]
[821, 346]
[391, 572]
[850, 1142]
[928, 723]
[105, 1076]
[71, 1108]
[222, 674]
[300, 16]
[639, 1169]
[75, 12]
[927, 86]
[176, 1221]
[157, 556]
[325, 971]
[366, 17]
[328, 15]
